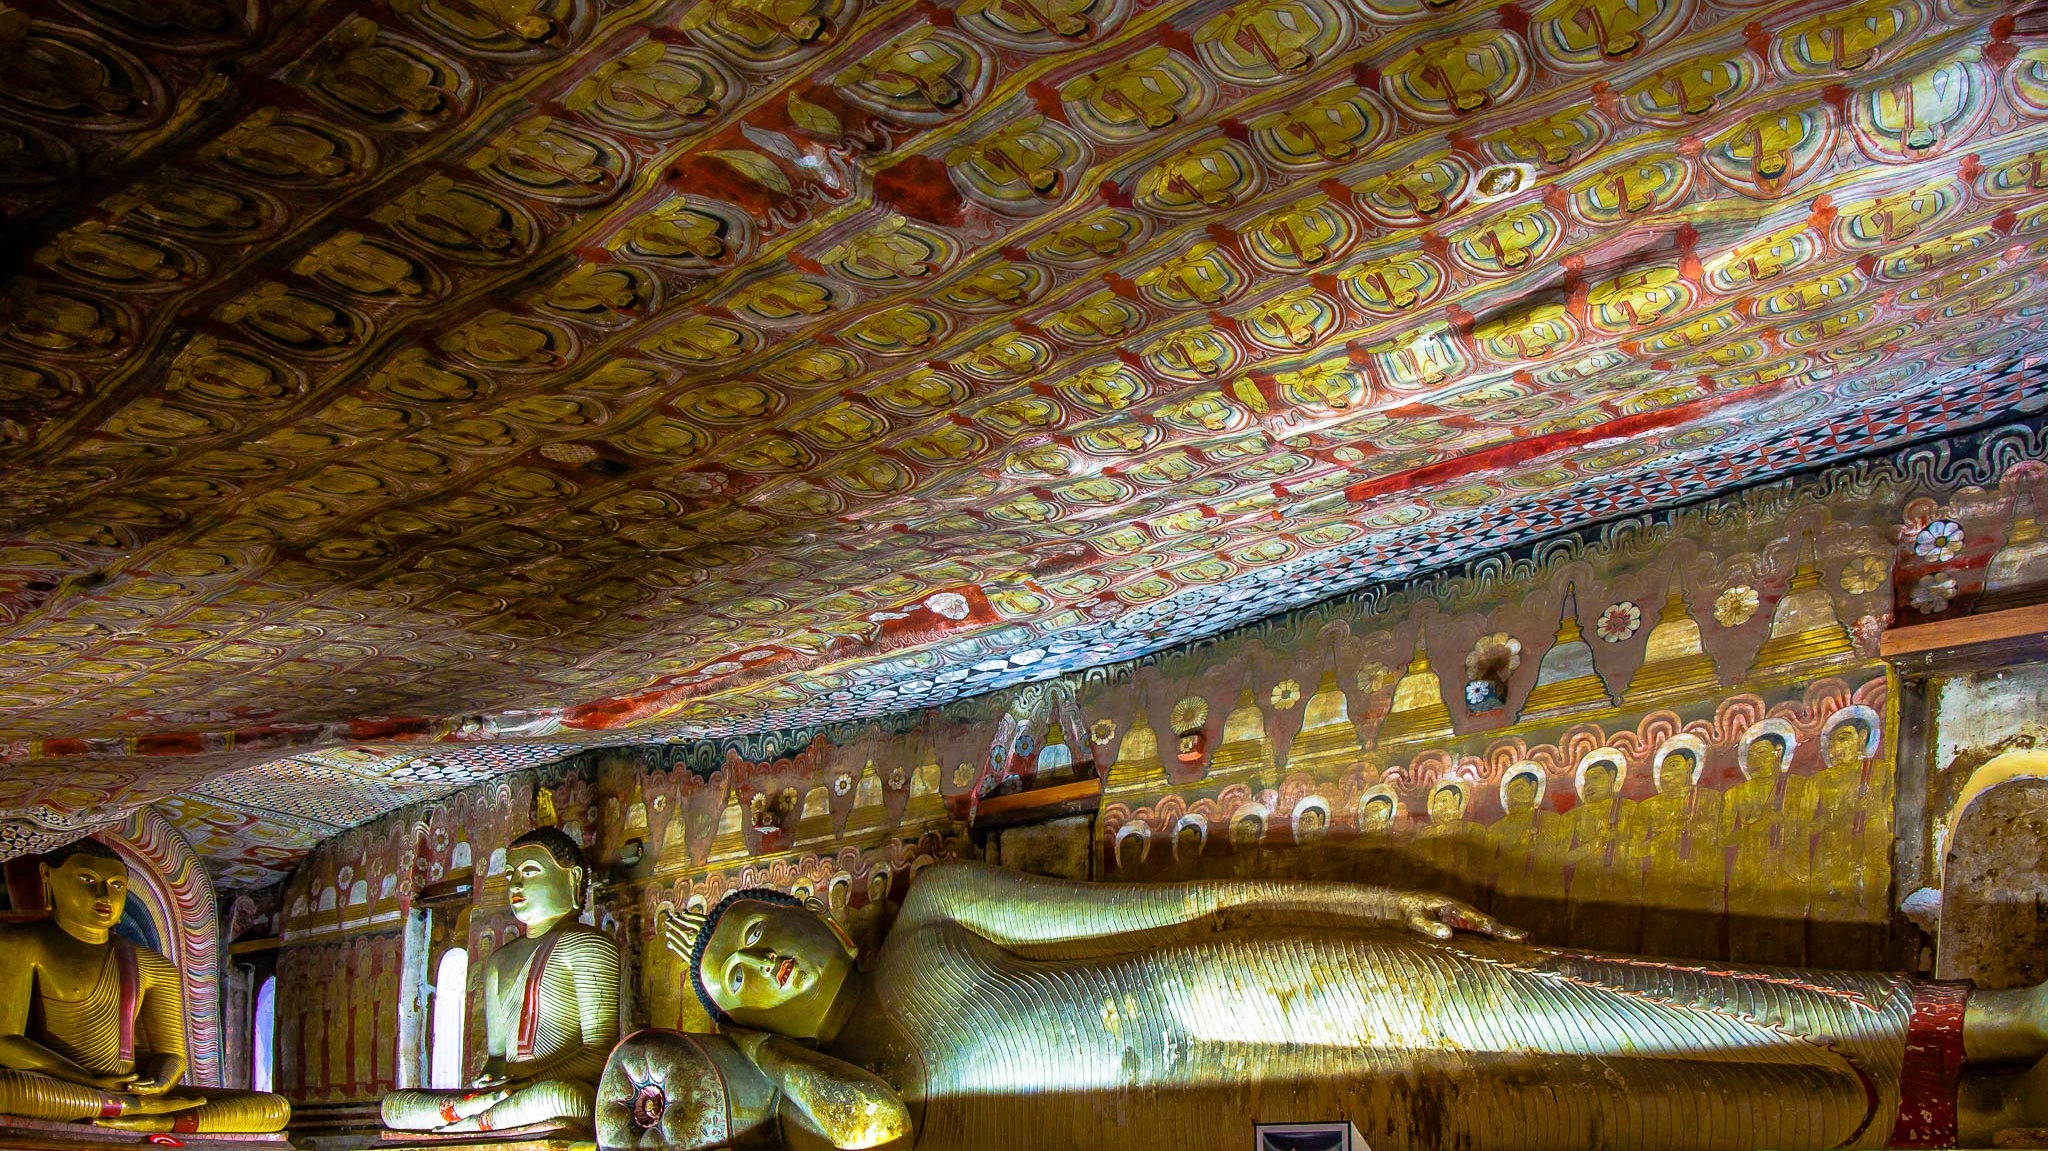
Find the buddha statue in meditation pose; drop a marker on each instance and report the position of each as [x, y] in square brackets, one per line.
[1010, 1011]
[551, 1007]
[93, 1026]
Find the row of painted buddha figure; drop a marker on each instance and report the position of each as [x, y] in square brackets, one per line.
[1783, 866]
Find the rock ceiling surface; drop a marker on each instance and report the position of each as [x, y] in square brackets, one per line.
[534, 369]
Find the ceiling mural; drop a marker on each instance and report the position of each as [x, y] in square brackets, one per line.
[483, 370]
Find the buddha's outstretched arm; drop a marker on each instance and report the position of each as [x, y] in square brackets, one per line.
[840, 1103]
[1028, 912]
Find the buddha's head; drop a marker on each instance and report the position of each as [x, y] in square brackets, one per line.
[1520, 792]
[1601, 780]
[1845, 744]
[1309, 824]
[1675, 775]
[544, 873]
[88, 886]
[1766, 756]
[1447, 803]
[767, 961]
[1377, 815]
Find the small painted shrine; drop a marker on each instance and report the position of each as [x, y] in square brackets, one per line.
[1290, 575]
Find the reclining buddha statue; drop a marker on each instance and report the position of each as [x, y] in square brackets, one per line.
[92, 1026]
[1009, 1011]
[551, 1007]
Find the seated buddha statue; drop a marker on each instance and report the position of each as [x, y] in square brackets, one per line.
[93, 1026]
[1010, 1011]
[551, 1007]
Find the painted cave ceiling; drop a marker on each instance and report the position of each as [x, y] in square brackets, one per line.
[486, 371]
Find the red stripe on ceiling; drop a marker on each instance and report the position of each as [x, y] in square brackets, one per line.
[1522, 451]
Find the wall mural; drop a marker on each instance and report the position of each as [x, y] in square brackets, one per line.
[1667, 736]
[402, 369]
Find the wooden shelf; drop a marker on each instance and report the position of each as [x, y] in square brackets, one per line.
[1970, 642]
[1078, 797]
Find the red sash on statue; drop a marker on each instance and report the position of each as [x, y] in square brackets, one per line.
[1932, 1071]
[529, 1004]
[131, 993]
[129, 976]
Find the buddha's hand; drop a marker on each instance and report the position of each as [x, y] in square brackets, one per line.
[157, 1076]
[493, 1074]
[114, 1084]
[1437, 916]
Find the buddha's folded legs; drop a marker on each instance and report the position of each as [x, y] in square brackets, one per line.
[213, 1111]
[35, 1096]
[492, 1108]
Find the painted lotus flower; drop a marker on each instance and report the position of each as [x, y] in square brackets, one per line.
[1863, 574]
[1619, 622]
[1286, 694]
[1483, 695]
[1102, 731]
[1932, 593]
[1734, 606]
[1939, 542]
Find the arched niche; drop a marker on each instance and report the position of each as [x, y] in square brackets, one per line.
[172, 886]
[1994, 875]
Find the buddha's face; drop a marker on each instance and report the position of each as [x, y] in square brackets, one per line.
[1677, 773]
[540, 889]
[1446, 805]
[1379, 814]
[1310, 824]
[774, 967]
[1520, 794]
[87, 894]
[1766, 757]
[1599, 783]
[1845, 746]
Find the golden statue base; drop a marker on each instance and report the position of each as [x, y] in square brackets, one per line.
[18, 1134]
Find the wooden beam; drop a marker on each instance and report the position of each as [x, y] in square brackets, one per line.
[2017, 630]
[250, 946]
[1082, 795]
